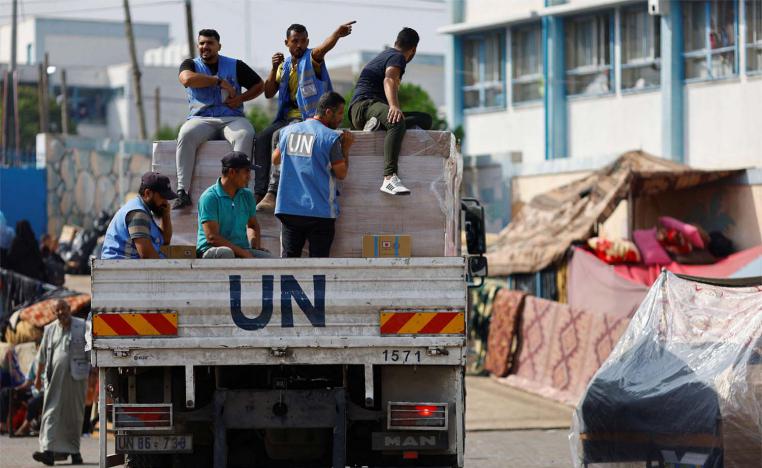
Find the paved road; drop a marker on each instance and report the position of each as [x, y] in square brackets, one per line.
[506, 428]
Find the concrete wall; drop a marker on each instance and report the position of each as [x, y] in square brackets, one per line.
[488, 10]
[612, 125]
[85, 177]
[723, 123]
[518, 129]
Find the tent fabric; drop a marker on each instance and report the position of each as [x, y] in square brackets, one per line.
[561, 348]
[594, 287]
[747, 262]
[503, 331]
[545, 228]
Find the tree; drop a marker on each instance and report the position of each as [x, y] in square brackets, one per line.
[412, 98]
[166, 132]
[29, 115]
[260, 119]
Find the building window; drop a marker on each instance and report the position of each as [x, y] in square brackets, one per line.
[753, 36]
[484, 71]
[526, 61]
[709, 31]
[640, 49]
[588, 54]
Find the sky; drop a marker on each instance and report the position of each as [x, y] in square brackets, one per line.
[378, 21]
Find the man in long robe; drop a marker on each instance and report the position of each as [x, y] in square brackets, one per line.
[63, 366]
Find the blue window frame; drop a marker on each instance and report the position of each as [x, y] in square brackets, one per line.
[589, 54]
[753, 36]
[484, 71]
[526, 63]
[641, 48]
[710, 39]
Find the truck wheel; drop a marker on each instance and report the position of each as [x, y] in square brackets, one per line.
[145, 461]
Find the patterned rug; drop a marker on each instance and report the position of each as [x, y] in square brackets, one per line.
[481, 300]
[503, 340]
[561, 348]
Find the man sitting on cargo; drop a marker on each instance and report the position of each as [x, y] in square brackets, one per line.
[375, 104]
[213, 85]
[299, 80]
[312, 156]
[227, 223]
[133, 231]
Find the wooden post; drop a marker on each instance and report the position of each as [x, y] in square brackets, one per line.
[45, 95]
[64, 104]
[135, 72]
[41, 97]
[157, 110]
[189, 28]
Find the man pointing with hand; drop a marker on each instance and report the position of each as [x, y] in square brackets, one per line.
[299, 80]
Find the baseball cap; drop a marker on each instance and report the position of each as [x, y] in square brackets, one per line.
[159, 183]
[237, 160]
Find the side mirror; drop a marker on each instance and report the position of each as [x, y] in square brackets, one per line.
[476, 241]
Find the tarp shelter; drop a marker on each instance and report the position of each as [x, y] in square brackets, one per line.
[545, 228]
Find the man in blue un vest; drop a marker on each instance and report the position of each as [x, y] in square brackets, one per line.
[312, 156]
[133, 231]
[299, 80]
[213, 84]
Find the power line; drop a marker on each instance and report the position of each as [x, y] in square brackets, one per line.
[105, 8]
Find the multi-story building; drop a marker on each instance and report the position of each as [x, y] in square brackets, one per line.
[545, 89]
[95, 55]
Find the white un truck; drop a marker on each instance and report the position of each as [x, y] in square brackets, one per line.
[353, 360]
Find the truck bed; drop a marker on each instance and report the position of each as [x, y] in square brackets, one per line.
[320, 310]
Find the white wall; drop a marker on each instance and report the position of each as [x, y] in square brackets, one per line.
[723, 125]
[487, 10]
[603, 126]
[518, 129]
[74, 50]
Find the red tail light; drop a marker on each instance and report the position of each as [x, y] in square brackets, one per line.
[426, 410]
[417, 416]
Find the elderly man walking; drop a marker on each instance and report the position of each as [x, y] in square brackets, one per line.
[63, 366]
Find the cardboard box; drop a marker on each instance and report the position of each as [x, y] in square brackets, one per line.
[179, 251]
[386, 245]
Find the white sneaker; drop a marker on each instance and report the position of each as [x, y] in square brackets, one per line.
[393, 186]
[371, 125]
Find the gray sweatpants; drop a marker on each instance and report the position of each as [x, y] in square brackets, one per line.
[197, 130]
[227, 252]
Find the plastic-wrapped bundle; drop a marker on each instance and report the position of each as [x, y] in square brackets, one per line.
[683, 387]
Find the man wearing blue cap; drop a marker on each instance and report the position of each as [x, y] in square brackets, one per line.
[227, 223]
[133, 232]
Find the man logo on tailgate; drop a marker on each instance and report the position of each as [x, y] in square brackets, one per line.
[289, 288]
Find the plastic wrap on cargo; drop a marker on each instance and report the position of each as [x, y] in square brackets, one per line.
[683, 387]
[429, 165]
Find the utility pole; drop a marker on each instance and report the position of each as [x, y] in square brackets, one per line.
[157, 109]
[41, 96]
[14, 31]
[189, 27]
[46, 94]
[64, 104]
[10, 123]
[135, 72]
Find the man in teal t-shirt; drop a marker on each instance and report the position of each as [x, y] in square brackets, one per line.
[227, 223]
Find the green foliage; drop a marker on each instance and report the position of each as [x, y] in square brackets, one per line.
[260, 119]
[166, 132]
[29, 115]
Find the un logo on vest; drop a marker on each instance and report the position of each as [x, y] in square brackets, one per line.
[300, 144]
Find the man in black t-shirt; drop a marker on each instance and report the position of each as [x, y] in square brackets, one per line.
[214, 85]
[375, 104]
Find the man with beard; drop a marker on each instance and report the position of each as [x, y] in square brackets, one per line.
[214, 85]
[313, 156]
[63, 366]
[299, 80]
[133, 232]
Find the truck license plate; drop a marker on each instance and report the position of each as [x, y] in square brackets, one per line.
[154, 443]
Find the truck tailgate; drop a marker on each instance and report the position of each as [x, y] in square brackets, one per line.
[276, 311]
